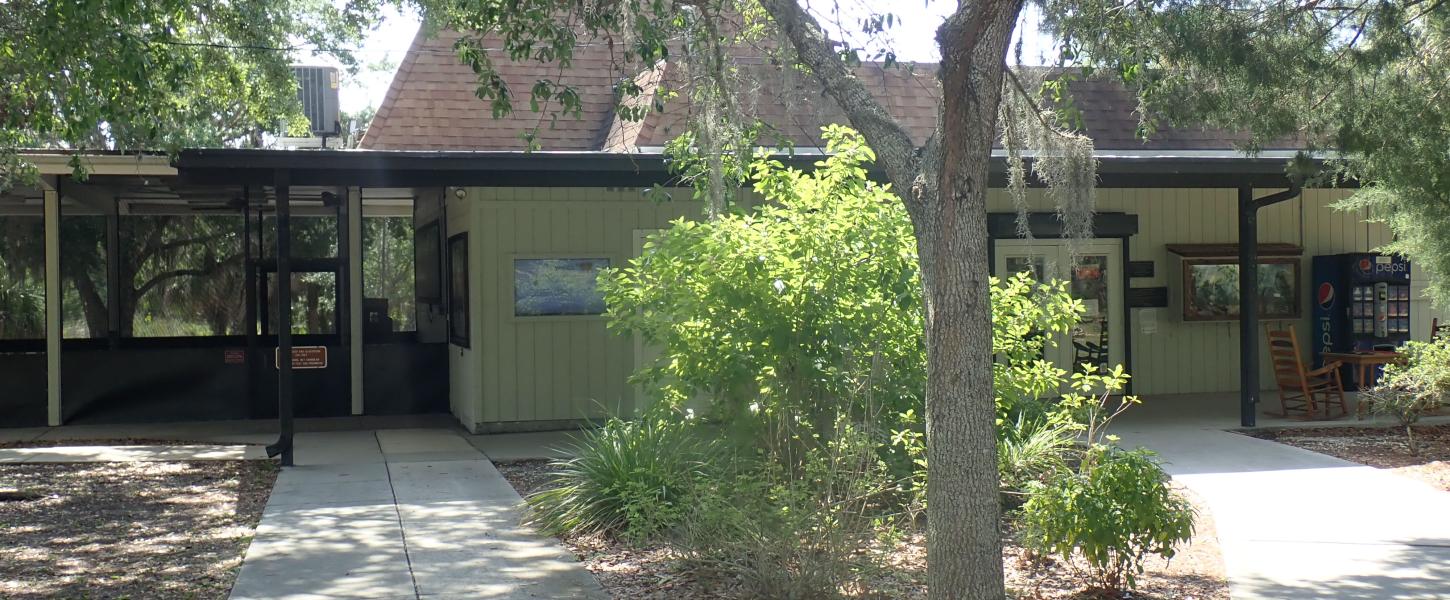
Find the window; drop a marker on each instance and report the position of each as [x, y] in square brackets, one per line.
[83, 301]
[558, 286]
[22, 277]
[314, 302]
[387, 257]
[182, 275]
[458, 290]
[312, 236]
[430, 268]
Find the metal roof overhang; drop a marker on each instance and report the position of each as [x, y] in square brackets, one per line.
[392, 168]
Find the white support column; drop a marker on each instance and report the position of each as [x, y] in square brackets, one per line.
[355, 294]
[52, 307]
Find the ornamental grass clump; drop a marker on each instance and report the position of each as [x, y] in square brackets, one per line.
[630, 479]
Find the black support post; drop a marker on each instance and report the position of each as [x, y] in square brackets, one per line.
[284, 321]
[113, 274]
[1248, 307]
[249, 285]
[1249, 296]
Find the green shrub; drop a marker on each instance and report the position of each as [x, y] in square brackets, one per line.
[809, 303]
[776, 531]
[1112, 512]
[626, 478]
[1408, 391]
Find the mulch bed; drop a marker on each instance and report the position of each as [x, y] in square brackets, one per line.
[1382, 447]
[49, 443]
[649, 573]
[128, 530]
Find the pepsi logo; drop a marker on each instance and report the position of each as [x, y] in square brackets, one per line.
[1365, 266]
[1326, 295]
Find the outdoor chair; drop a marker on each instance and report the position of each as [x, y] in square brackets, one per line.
[1092, 353]
[1302, 391]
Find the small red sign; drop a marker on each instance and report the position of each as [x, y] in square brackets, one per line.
[303, 357]
[234, 356]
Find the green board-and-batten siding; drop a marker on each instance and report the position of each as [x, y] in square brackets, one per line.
[550, 370]
[1202, 357]
[523, 373]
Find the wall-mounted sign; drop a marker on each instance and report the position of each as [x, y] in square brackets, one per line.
[303, 357]
[234, 356]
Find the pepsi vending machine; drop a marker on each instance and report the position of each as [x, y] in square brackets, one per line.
[1362, 303]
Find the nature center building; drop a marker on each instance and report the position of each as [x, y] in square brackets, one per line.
[442, 268]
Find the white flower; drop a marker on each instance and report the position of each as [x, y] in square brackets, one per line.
[779, 286]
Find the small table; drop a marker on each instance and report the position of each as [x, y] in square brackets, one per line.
[1365, 363]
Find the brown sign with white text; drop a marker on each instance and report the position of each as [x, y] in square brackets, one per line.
[303, 357]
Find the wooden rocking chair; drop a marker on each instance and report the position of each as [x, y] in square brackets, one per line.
[1302, 391]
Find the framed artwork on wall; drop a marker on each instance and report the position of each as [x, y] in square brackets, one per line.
[1211, 289]
[556, 287]
[458, 317]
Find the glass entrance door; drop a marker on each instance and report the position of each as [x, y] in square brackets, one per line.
[1092, 273]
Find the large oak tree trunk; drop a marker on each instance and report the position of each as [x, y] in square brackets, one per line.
[945, 190]
[964, 547]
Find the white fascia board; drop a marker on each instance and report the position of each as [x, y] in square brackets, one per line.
[1100, 154]
[104, 164]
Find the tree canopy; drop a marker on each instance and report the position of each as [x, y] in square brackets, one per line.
[159, 74]
[1361, 82]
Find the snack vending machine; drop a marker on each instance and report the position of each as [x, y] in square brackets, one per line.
[1362, 304]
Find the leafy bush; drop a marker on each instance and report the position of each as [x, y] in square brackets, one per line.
[1406, 392]
[809, 303]
[1028, 317]
[1112, 512]
[774, 531]
[627, 478]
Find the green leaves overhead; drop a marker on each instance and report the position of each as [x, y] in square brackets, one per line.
[1365, 81]
[158, 74]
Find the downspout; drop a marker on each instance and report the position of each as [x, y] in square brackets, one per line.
[1249, 294]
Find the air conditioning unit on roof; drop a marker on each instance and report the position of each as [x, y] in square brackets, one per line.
[317, 89]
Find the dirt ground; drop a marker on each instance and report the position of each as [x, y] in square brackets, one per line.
[1382, 447]
[138, 530]
[647, 573]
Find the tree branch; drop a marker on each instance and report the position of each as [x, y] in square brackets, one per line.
[157, 280]
[1022, 90]
[894, 148]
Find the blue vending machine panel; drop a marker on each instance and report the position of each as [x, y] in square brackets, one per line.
[1362, 303]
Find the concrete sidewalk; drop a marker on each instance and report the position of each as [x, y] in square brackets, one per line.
[1295, 524]
[392, 514]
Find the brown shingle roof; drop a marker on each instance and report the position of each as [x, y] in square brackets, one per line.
[431, 105]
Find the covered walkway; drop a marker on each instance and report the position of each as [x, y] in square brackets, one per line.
[1295, 524]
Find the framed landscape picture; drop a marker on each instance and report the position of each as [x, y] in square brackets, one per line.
[554, 287]
[1211, 289]
[458, 290]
